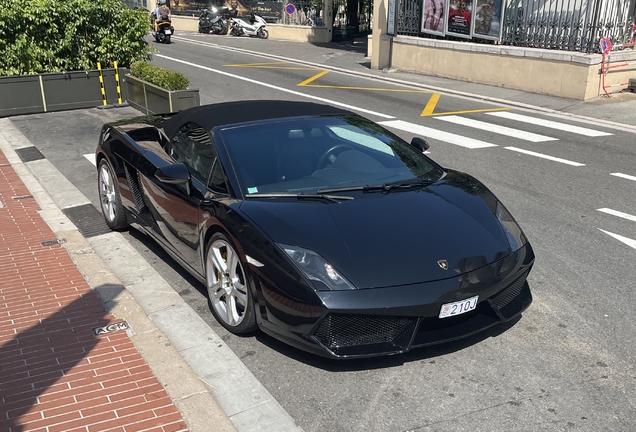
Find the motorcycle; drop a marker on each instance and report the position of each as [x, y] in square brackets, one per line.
[164, 30]
[215, 20]
[256, 27]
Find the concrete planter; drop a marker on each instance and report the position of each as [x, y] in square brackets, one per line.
[151, 99]
[30, 94]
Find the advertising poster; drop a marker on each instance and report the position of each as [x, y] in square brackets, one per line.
[458, 17]
[488, 16]
[271, 11]
[433, 16]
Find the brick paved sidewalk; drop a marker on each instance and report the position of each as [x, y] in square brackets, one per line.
[55, 374]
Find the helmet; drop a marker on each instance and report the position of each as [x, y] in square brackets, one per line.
[161, 2]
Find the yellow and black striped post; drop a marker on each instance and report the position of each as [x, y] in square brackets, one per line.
[118, 85]
[101, 82]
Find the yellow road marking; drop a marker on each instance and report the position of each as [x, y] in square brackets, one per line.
[366, 88]
[430, 106]
[464, 112]
[313, 78]
[432, 103]
[270, 66]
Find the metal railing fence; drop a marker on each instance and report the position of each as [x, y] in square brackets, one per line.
[571, 25]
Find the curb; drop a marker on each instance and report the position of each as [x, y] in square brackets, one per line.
[209, 385]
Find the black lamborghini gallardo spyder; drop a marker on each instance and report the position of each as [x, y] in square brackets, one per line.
[317, 225]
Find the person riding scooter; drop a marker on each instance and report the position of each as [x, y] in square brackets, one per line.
[161, 13]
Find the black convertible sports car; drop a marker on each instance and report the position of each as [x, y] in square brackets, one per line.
[317, 226]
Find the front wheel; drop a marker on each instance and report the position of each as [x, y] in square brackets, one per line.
[109, 197]
[228, 289]
[262, 33]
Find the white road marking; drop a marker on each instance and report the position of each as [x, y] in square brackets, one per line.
[625, 176]
[619, 214]
[549, 124]
[346, 106]
[627, 241]
[426, 132]
[552, 158]
[501, 130]
[91, 158]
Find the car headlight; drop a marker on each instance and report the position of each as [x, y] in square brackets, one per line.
[515, 236]
[317, 269]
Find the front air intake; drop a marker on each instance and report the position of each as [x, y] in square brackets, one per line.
[512, 299]
[355, 334]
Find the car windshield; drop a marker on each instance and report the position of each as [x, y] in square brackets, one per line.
[308, 155]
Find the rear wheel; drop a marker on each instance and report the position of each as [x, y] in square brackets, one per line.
[167, 39]
[228, 289]
[109, 197]
[262, 33]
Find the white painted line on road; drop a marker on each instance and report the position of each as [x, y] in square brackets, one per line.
[331, 102]
[549, 124]
[552, 158]
[501, 130]
[625, 176]
[619, 214]
[91, 158]
[426, 132]
[627, 241]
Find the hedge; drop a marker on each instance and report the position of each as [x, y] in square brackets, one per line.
[38, 36]
[159, 76]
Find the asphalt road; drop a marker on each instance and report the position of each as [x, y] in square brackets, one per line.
[566, 364]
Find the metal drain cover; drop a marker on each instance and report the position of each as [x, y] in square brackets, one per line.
[87, 219]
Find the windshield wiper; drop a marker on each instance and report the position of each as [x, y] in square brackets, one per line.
[332, 198]
[385, 187]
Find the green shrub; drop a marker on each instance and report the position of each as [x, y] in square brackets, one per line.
[159, 76]
[39, 36]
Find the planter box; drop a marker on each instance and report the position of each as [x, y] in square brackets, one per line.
[30, 94]
[151, 99]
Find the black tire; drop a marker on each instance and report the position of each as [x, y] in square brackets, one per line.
[167, 39]
[262, 33]
[228, 288]
[109, 197]
[223, 29]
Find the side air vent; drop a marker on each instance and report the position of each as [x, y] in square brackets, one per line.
[135, 188]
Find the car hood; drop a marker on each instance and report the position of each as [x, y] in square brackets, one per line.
[397, 238]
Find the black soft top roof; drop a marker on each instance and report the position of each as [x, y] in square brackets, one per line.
[226, 113]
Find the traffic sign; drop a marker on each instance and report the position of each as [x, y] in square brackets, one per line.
[606, 45]
[290, 8]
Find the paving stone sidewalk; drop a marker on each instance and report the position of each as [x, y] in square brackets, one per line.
[55, 373]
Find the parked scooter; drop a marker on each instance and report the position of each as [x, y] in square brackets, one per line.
[164, 29]
[214, 20]
[256, 27]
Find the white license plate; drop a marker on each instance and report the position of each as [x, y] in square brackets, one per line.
[168, 32]
[458, 308]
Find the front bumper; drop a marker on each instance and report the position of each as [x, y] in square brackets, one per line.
[393, 320]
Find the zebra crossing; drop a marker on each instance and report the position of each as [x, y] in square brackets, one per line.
[498, 130]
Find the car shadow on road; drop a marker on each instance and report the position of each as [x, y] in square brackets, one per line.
[415, 355]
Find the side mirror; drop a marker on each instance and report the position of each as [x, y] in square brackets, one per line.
[420, 144]
[174, 174]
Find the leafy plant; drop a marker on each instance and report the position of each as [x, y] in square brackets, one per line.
[159, 76]
[38, 36]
